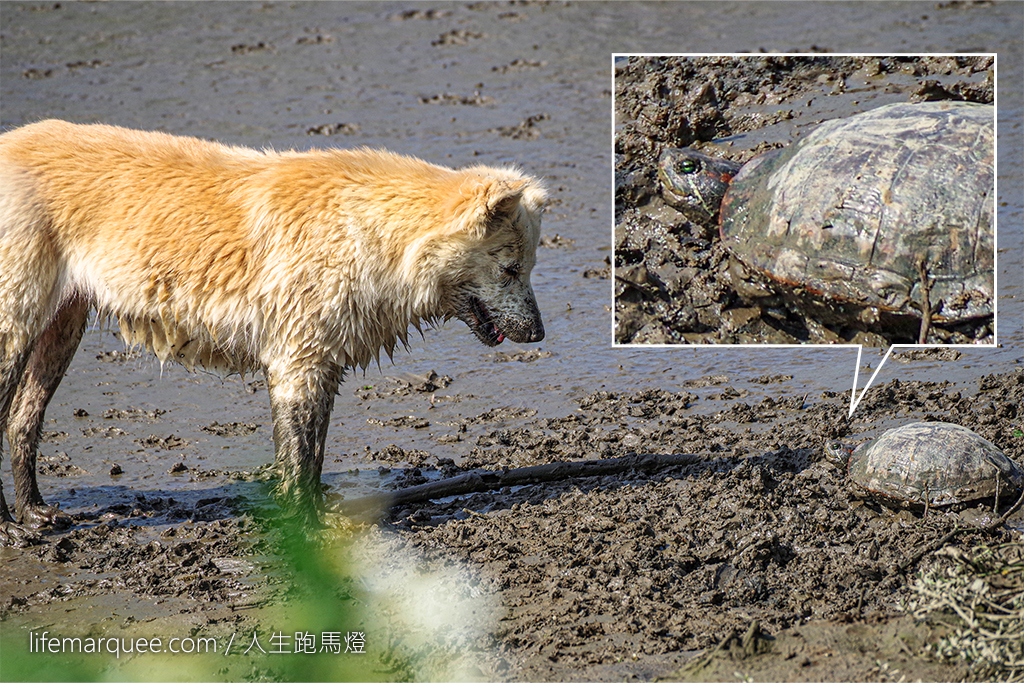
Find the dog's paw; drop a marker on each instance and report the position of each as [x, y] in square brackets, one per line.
[43, 516]
[14, 535]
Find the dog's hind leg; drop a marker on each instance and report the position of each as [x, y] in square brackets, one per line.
[45, 369]
[12, 365]
[301, 405]
[30, 272]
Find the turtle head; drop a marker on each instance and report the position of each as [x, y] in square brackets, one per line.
[695, 183]
[838, 453]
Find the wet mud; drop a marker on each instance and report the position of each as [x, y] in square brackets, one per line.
[675, 282]
[604, 574]
[598, 578]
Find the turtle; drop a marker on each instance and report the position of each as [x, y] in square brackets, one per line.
[929, 464]
[886, 213]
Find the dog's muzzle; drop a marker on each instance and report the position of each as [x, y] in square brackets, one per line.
[493, 328]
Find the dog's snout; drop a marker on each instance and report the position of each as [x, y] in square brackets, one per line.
[535, 331]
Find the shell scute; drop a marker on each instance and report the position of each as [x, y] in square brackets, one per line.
[855, 209]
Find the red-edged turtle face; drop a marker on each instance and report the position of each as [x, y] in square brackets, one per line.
[838, 453]
[695, 183]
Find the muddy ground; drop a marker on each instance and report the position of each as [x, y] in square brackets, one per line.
[597, 578]
[627, 576]
[674, 284]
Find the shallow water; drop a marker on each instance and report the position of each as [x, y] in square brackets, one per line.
[264, 74]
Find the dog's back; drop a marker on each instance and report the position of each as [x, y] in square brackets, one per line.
[199, 248]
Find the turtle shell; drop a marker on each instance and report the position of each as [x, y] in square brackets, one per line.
[854, 210]
[933, 463]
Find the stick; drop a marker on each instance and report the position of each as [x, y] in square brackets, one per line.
[1006, 515]
[926, 306]
[938, 543]
[485, 480]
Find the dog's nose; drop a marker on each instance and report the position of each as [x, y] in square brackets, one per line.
[536, 332]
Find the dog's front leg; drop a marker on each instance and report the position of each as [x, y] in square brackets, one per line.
[12, 533]
[301, 403]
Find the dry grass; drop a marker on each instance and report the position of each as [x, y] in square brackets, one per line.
[980, 597]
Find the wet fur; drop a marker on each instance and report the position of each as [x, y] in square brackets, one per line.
[237, 260]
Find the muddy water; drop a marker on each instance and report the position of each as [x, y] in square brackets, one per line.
[457, 84]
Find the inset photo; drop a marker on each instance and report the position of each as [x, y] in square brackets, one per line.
[804, 199]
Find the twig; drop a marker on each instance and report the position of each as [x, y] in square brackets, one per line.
[747, 643]
[995, 503]
[935, 545]
[1006, 515]
[486, 480]
[926, 306]
[702, 660]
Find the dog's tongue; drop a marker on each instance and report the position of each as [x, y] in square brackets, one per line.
[501, 337]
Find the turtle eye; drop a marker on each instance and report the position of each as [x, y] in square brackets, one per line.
[689, 166]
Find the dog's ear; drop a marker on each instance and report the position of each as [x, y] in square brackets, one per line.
[487, 203]
[503, 197]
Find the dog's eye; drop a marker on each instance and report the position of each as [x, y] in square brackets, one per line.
[510, 272]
